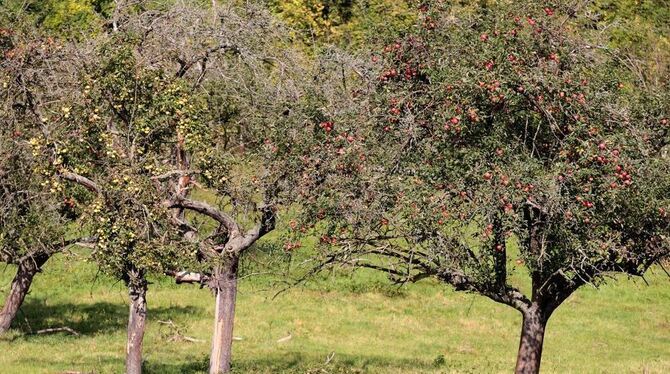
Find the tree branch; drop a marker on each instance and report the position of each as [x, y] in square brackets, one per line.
[81, 180]
[43, 256]
[265, 225]
[508, 295]
[203, 208]
[175, 173]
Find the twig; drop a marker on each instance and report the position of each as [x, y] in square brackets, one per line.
[329, 358]
[178, 336]
[285, 339]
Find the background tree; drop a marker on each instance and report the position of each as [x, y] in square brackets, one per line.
[87, 141]
[347, 23]
[496, 141]
[59, 18]
[32, 225]
[33, 222]
[639, 30]
[260, 94]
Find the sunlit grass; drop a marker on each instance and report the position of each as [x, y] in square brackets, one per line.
[360, 322]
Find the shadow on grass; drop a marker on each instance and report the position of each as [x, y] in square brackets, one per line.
[296, 362]
[192, 365]
[292, 362]
[86, 319]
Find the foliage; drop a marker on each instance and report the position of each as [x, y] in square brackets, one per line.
[72, 132]
[68, 18]
[32, 221]
[129, 115]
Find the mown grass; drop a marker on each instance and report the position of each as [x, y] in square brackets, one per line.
[366, 325]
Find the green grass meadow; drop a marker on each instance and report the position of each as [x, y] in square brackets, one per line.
[346, 323]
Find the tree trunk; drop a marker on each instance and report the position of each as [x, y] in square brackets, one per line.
[136, 324]
[20, 285]
[224, 284]
[532, 337]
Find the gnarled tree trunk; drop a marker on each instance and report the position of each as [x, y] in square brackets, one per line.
[224, 284]
[136, 325]
[532, 337]
[20, 286]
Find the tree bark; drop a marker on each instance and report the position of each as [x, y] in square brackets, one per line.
[136, 325]
[224, 284]
[532, 338]
[20, 286]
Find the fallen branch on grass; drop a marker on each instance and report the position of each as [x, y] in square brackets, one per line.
[58, 329]
[184, 338]
[286, 338]
[178, 336]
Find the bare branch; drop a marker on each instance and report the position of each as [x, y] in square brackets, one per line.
[175, 173]
[203, 208]
[184, 66]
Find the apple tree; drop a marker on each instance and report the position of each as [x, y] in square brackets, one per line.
[178, 122]
[34, 221]
[492, 140]
[98, 156]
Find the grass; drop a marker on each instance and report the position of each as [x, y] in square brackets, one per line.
[369, 326]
